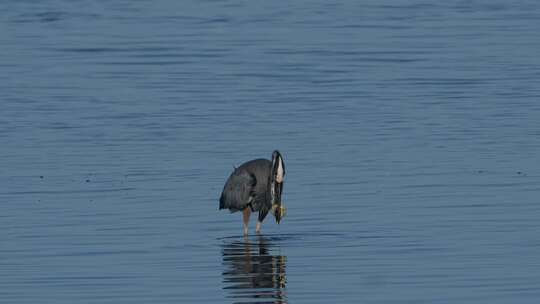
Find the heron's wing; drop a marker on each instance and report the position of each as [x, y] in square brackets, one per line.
[238, 191]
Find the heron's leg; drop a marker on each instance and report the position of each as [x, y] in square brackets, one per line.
[246, 213]
[262, 215]
[258, 228]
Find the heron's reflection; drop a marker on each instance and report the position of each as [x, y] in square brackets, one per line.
[253, 272]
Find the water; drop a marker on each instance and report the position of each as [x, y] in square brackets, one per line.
[410, 131]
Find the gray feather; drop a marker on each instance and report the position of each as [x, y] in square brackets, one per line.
[238, 191]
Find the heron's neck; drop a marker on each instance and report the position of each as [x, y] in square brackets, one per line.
[279, 171]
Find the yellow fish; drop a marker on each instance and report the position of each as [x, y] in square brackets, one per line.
[279, 211]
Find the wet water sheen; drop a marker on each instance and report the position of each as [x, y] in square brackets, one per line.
[410, 132]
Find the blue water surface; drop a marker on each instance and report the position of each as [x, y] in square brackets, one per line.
[410, 131]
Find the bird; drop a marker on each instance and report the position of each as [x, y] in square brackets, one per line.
[256, 186]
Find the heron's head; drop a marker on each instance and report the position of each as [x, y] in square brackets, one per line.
[276, 185]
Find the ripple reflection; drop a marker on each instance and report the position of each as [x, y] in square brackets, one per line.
[253, 272]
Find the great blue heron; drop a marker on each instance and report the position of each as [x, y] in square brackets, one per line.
[256, 186]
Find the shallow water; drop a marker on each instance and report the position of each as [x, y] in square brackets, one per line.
[410, 132]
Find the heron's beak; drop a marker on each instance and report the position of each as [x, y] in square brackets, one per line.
[277, 205]
[279, 211]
